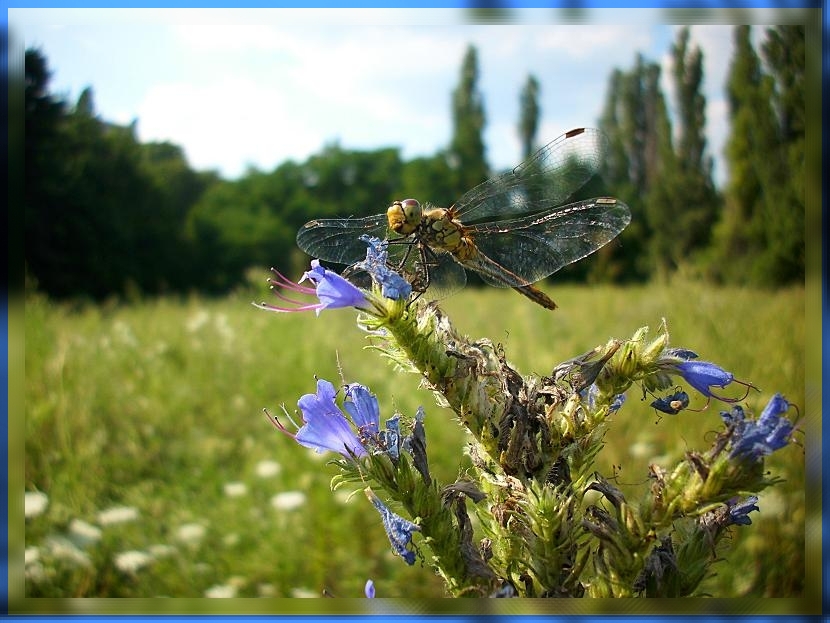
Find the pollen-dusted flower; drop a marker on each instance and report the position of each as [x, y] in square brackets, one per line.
[398, 529]
[754, 439]
[393, 286]
[331, 290]
[672, 404]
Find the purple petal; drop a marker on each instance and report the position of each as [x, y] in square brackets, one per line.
[702, 375]
[363, 407]
[398, 529]
[332, 290]
[326, 428]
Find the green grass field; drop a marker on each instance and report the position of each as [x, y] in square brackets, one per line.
[144, 429]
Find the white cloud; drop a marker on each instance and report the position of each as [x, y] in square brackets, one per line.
[226, 123]
[597, 40]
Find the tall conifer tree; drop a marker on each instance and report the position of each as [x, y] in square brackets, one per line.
[466, 152]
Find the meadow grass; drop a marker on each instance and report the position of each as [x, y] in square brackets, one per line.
[156, 407]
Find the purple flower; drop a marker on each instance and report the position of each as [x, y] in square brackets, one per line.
[325, 426]
[369, 589]
[393, 286]
[398, 529]
[332, 291]
[672, 404]
[739, 511]
[363, 408]
[591, 394]
[389, 440]
[754, 439]
[681, 353]
[704, 375]
[353, 433]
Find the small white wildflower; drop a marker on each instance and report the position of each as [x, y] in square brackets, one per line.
[641, 449]
[197, 321]
[224, 329]
[266, 590]
[65, 550]
[117, 514]
[288, 500]
[124, 332]
[221, 591]
[34, 570]
[191, 533]
[132, 560]
[161, 550]
[82, 533]
[268, 469]
[31, 555]
[34, 503]
[235, 489]
[303, 593]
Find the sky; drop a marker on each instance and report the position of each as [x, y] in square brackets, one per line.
[240, 89]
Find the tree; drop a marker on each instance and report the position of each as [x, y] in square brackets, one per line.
[693, 201]
[784, 53]
[760, 239]
[529, 111]
[104, 215]
[637, 164]
[466, 151]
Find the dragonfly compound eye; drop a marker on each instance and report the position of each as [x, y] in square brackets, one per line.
[404, 216]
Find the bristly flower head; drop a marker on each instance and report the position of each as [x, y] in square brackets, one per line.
[393, 286]
[398, 529]
[331, 290]
[754, 439]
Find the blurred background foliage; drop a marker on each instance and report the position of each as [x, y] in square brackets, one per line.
[108, 216]
[156, 406]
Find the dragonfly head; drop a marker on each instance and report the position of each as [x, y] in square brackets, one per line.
[404, 216]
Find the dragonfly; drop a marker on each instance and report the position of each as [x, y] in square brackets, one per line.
[513, 229]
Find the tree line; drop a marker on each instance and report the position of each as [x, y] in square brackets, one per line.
[106, 215]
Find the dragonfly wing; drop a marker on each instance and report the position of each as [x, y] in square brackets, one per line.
[446, 276]
[547, 179]
[338, 240]
[523, 251]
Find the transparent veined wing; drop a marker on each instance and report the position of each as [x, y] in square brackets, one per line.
[546, 179]
[338, 239]
[525, 250]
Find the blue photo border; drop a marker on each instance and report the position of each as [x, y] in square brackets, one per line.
[814, 606]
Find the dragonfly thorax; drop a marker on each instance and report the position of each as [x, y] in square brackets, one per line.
[440, 230]
[434, 227]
